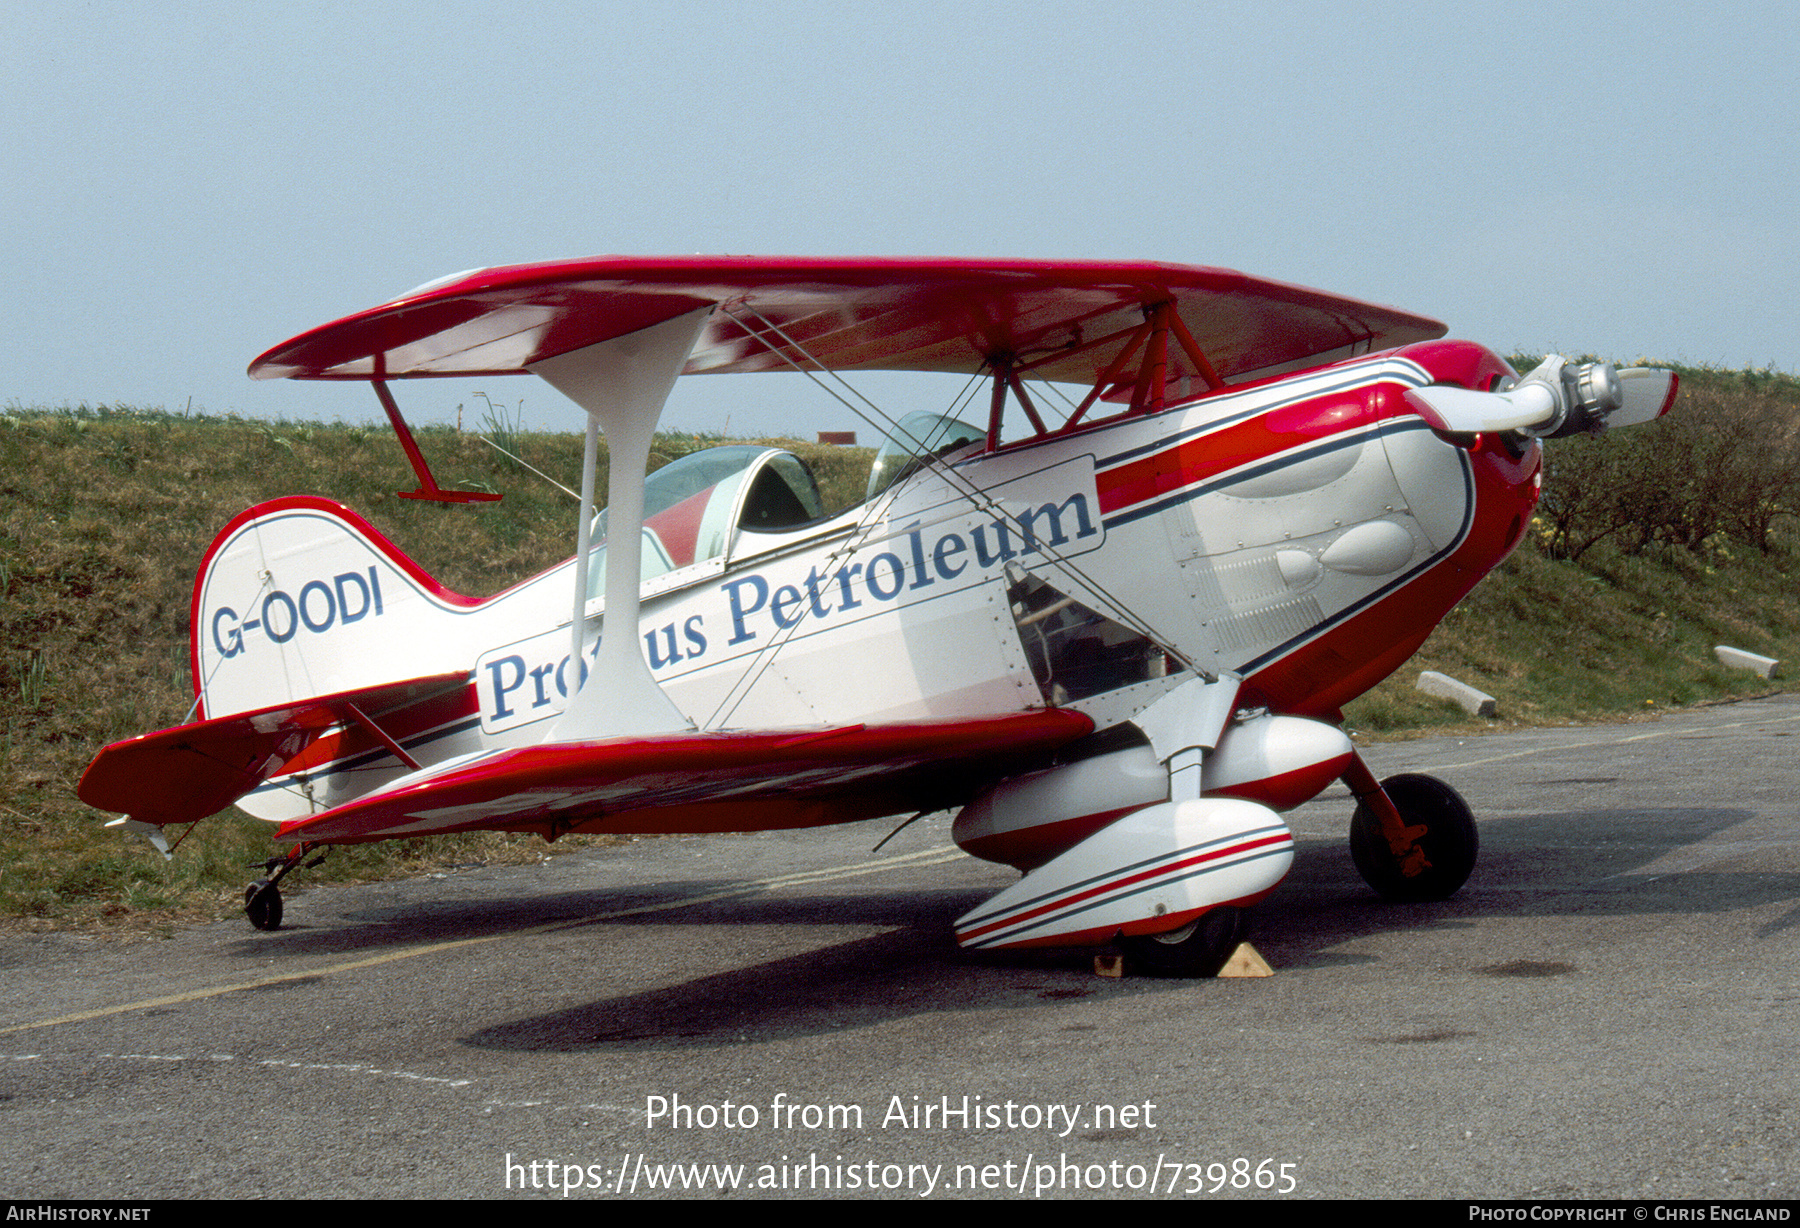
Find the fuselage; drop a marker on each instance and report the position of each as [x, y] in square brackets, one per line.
[1306, 533]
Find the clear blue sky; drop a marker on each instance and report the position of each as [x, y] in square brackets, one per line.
[186, 184]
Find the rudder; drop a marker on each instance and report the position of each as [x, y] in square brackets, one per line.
[301, 597]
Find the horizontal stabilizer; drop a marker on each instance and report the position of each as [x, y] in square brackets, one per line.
[188, 772]
[690, 781]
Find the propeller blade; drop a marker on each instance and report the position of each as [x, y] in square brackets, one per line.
[1558, 398]
[1649, 391]
[1462, 412]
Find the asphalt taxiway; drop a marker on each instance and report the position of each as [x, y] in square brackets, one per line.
[1608, 1009]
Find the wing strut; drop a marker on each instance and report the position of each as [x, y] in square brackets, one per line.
[622, 383]
[1007, 376]
[1148, 389]
[428, 487]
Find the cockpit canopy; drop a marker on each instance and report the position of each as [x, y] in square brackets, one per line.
[694, 506]
[916, 438]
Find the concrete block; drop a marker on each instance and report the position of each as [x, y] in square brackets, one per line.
[1443, 686]
[1737, 658]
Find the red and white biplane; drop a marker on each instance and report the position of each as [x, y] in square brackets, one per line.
[1117, 637]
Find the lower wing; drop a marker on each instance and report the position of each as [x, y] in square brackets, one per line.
[706, 781]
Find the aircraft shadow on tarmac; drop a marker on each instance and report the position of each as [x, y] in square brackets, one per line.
[1540, 866]
[1591, 862]
[1536, 861]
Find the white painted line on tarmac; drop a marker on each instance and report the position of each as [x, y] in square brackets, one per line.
[927, 857]
[1672, 731]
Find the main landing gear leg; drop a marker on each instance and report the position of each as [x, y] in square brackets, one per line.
[262, 898]
[1412, 837]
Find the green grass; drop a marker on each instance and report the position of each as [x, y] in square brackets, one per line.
[1618, 635]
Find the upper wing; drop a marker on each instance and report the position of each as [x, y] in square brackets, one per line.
[708, 781]
[917, 315]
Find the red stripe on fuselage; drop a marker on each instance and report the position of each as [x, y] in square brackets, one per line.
[1239, 444]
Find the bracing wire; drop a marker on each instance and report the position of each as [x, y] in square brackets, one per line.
[976, 497]
[522, 461]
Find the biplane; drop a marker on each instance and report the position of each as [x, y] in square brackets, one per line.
[1108, 606]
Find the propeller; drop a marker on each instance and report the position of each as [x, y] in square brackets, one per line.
[1557, 398]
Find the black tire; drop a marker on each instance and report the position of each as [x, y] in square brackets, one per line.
[1450, 842]
[262, 904]
[1199, 948]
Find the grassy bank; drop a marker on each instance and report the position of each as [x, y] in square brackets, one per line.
[105, 513]
[1617, 636]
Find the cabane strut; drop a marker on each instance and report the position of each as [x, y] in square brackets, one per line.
[1148, 389]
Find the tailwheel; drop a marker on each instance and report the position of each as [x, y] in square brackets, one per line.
[1435, 854]
[262, 904]
[1199, 948]
[262, 898]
